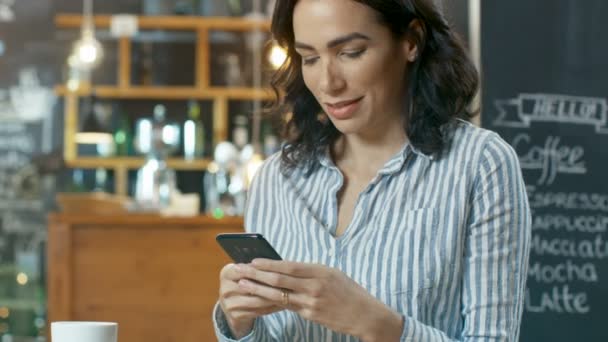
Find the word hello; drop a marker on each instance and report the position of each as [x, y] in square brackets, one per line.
[567, 109]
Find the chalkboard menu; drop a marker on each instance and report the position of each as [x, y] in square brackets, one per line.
[545, 91]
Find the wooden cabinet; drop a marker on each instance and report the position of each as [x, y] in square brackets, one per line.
[157, 277]
[201, 89]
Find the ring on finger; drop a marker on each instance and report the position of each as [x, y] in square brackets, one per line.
[284, 298]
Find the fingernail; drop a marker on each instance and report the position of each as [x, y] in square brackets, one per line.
[243, 282]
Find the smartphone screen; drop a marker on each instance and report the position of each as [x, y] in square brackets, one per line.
[244, 247]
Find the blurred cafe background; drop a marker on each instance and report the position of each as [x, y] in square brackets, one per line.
[130, 130]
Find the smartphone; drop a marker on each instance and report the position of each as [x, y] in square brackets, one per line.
[244, 247]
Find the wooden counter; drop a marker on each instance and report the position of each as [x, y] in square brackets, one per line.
[157, 277]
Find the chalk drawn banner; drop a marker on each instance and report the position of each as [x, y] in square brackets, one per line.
[520, 112]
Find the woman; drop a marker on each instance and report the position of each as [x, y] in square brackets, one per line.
[398, 220]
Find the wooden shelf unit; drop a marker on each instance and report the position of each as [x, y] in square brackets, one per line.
[174, 23]
[201, 90]
[170, 93]
[130, 163]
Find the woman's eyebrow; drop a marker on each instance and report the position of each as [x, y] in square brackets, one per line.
[335, 42]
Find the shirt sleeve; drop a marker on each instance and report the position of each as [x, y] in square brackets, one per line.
[496, 252]
[260, 331]
[223, 334]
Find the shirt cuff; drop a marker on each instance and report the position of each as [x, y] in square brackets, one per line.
[222, 330]
[407, 334]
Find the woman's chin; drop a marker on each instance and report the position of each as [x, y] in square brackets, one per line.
[347, 130]
[347, 127]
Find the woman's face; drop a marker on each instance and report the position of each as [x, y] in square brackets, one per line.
[352, 64]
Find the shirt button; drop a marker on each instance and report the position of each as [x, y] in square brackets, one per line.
[330, 253]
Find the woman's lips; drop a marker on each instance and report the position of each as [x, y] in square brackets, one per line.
[344, 109]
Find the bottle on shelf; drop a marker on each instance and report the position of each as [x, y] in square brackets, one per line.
[194, 133]
[240, 131]
[269, 140]
[156, 138]
[101, 180]
[123, 138]
[147, 65]
[76, 183]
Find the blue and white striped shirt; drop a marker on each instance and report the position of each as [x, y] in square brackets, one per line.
[443, 241]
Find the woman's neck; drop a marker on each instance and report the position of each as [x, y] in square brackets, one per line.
[364, 156]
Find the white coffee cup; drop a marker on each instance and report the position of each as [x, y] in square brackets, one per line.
[75, 331]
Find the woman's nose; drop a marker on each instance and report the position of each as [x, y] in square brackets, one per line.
[332, 80]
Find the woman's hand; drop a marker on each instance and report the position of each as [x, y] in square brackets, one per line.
[323, 295]
[240, 307]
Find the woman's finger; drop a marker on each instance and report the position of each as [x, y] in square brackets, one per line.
[230, 288]
[248, 303]
[294, 269]
[283, 298]
[276, 280]
[254, 313]
[269, 293]
[230, 272]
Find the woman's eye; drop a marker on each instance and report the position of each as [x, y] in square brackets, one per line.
[309, 60]
[353, 53]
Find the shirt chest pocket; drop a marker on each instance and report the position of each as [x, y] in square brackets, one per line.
[401, 254]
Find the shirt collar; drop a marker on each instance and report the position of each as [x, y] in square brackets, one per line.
[396, 163]
[325, 159]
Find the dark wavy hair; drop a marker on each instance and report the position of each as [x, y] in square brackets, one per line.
[442, 82]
